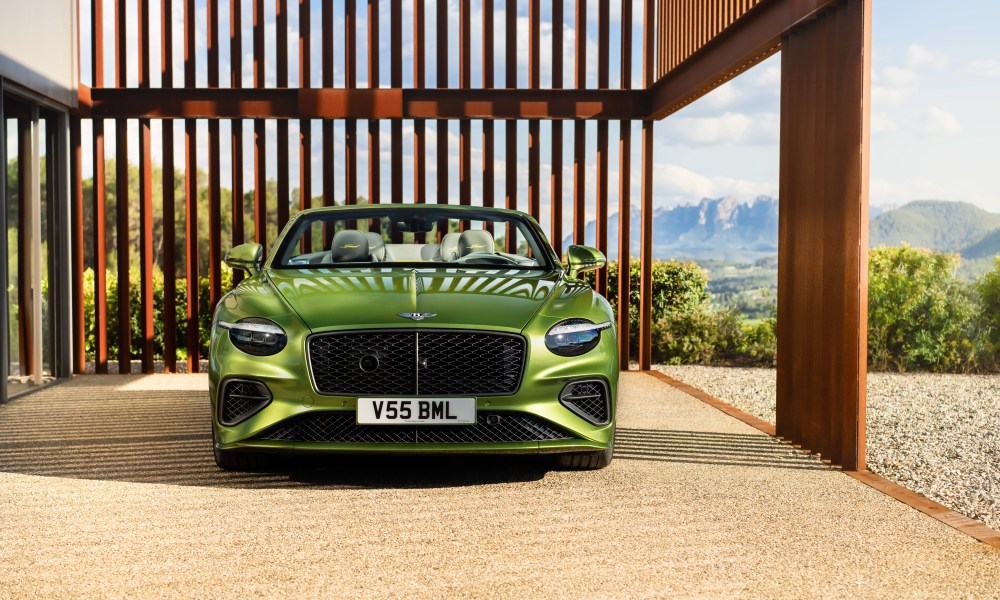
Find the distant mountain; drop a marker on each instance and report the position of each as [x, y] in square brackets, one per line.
[934, 224]
[726, 229]
[713, 229]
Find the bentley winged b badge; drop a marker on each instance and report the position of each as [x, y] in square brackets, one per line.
[417, 316]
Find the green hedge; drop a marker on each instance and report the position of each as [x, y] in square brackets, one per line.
[921, 316]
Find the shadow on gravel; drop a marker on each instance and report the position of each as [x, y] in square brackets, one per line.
[710, 448]
[101, 432]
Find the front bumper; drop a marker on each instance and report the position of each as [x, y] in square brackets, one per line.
[293, 395]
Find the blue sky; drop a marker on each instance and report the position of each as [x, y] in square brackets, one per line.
[935, 127]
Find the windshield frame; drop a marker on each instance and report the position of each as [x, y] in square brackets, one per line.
[547, 261]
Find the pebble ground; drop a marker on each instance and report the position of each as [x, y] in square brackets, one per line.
[107, 489]
[932, 433]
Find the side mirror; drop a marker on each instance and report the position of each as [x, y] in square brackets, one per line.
[584, 258]
[248, 257]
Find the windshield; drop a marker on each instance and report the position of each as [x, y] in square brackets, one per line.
[422, 236]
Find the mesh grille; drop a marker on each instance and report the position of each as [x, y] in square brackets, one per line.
[340, 427]
[589, 399]
[241, 399]
[401, 363]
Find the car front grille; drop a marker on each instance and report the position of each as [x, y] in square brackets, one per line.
[241, 399]
[425, 362]
[341, 427]
[589, 399]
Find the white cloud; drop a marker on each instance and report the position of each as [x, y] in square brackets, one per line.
[919, 57]
[984, 68]
[675, 185]
[882, 123]
[728, 128]
[937, 122]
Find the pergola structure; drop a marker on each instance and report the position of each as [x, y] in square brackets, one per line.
[689, 47]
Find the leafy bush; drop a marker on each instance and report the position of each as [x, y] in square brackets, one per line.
[135, 295]
[920, 315]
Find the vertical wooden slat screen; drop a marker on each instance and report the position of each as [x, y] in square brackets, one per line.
[419, 125]
[646, 207]
[683, 27]
[99, 198]
[121, 199]
[441, 25]
[281, 81]
[601, 184]
[510, 127]
[396, 131]
[169, 312]
[260, 131]
[374, 160]
[580, 130]
[236, 125]
[534, 126]
[351, 81]
[465, 125]
[557, 130]
[625, 197]
[191, 198]
[822, 324]
[145, 201]
[305, 125]
[488, 125]
[214, 163]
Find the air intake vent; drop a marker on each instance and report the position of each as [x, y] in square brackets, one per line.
[241, 399]
[589, 399]
[342, 428]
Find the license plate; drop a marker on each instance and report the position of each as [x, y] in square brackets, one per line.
[434, 411]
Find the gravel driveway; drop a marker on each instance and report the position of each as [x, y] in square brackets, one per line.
[935, 434]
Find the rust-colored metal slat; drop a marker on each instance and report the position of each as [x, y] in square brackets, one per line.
[214, 164]
[419, 125]
[374, 160]
[824, 213]
[465, 126]
[646, 204]
[305, 125]
[169, 266]
[534, 127]
[236, 125]
[281, 80]
[442, 125]
[489, 130]
[350, 125]
[191, 198]
[259, 132]
[603, 51]
[510, 127]
[556, 145]
[121, 201]
[580, 130]
[145, 201]
[625, 198]
[396, 126]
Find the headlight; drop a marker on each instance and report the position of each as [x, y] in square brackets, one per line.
[259, 337]
[574, 337]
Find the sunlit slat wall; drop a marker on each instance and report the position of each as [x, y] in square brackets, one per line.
[331, 48]
[684, 26]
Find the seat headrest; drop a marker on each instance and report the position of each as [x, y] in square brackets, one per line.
[475, 240]
[449, 246]
[376, 246]
[429, 252]
[349, 246]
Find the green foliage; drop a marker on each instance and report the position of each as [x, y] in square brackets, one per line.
[135, 313]
[920, 315]
[988, 292]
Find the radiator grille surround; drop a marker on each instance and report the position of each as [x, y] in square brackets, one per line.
[589, 399]
[425, 362]
[341, 427]
[241, 399]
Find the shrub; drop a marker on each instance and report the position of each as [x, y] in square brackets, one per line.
[988, 294]
[919, 313]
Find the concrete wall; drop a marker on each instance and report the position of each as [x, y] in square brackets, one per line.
[38, 48]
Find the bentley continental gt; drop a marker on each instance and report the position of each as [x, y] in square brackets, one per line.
[412, 329]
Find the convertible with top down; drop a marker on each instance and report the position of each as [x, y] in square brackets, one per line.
[412, 329]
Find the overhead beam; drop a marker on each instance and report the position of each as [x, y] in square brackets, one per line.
[750, 40]
[377, 103]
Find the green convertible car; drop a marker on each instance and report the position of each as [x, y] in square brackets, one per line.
[413, 329]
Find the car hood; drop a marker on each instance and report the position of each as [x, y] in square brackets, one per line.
[352, 298]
